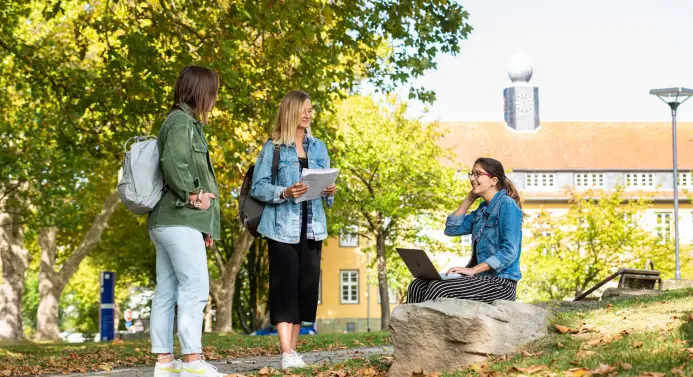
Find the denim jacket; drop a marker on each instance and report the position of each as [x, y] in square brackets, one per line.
[280, 219]
[496, 230]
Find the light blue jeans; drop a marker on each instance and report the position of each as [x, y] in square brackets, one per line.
[181, 278]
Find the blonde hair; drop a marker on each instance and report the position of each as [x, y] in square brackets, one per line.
[288, 117]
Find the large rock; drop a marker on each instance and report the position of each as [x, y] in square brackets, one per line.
[445, 334]
[611, 294]
[671, 284]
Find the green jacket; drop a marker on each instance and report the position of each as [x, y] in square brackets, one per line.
[186, 168]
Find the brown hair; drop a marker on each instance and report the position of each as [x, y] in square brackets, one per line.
[288, 117]
[197, 87]
[495, 168]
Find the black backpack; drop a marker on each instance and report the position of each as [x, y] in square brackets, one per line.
[249, 208]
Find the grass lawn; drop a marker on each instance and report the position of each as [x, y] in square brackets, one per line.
[650, 336]
[41, 358]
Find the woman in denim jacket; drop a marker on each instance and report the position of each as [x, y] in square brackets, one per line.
[496, 229]
[294, 231]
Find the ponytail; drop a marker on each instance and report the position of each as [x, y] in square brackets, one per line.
[512, 192]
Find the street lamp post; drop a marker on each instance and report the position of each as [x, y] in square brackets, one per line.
[674, 97]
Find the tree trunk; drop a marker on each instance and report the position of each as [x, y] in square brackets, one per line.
[208, 316]
[226, 286]
[15, 261]
[50, 287]
[52, 282]
[382, 283]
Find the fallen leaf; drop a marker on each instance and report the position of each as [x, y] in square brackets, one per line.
[434, 374]
[593, 342]
[578, 372]
[530, 370]
[585, 353]
[527, 354]
[626, 366]
[610, 306]
[627, 331]
[588, 328]
[604, 369]
[652, 374]
[117, 341]
[678, 371]
[638, 344]
[5, 372]
[559, 345]
[105, 367]
[566, 330]
[264, 372]
[539, 353]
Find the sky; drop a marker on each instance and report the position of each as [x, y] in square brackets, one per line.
[594, 60]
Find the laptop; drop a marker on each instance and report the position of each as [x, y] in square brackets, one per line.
[421, 266]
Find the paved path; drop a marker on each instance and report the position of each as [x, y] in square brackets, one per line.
[249, 364]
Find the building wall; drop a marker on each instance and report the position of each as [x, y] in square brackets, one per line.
[333, 315]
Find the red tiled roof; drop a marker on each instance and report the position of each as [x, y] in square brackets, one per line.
[573, 145]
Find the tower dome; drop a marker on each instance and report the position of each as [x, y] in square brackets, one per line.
[520, 68]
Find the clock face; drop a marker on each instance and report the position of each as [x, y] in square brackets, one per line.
[524, 102]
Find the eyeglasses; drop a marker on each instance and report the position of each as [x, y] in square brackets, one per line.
[477, 174]
[310, 112]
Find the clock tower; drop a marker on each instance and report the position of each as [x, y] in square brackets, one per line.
[521, 99]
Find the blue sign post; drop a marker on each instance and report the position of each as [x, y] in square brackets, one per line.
[107, 312]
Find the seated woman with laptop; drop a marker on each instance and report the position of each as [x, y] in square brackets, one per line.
[496, 229]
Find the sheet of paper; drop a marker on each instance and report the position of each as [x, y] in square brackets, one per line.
[317, 181]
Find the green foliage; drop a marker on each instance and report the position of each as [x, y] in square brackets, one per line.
[395, 181]
[566, 255]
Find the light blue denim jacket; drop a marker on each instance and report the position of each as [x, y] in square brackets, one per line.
[280, 219]
[496, 229]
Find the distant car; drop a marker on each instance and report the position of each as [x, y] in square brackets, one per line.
[74, 337]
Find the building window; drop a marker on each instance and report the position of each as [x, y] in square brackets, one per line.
[349, 237]
[640, 180]
[350, 327]
[349, 287]
[540, 180]
[391, 295]
[685, 180]
[589, 180]
[663, 226]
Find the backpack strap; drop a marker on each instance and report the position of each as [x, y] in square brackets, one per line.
[275, 163]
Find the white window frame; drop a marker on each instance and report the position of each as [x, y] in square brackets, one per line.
[587, 180]
[349, 236]
[686, 180]
[662, 228]
[540, 180]
[640, 180]
[351, 287]
[391, 295]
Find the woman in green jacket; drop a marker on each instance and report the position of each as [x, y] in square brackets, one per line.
[182, 224]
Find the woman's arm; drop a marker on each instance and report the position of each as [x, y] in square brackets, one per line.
[175, 162]
[262, 188]
[459, 223]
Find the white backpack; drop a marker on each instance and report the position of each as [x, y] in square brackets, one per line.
[141, 184]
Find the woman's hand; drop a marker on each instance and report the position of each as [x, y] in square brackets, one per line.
[461, 270]
[330, 190]
[205, 199]
[471, 197]
[209, 242]
[295, 191]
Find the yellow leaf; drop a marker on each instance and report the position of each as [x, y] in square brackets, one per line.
[626, 366]
[578, 372]
[105, 367]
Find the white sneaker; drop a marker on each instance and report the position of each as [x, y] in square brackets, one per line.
[199, 368]
[293, 352]
[171, 369]
[289, 360]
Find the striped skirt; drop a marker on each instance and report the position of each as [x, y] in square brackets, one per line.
[483, 288]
